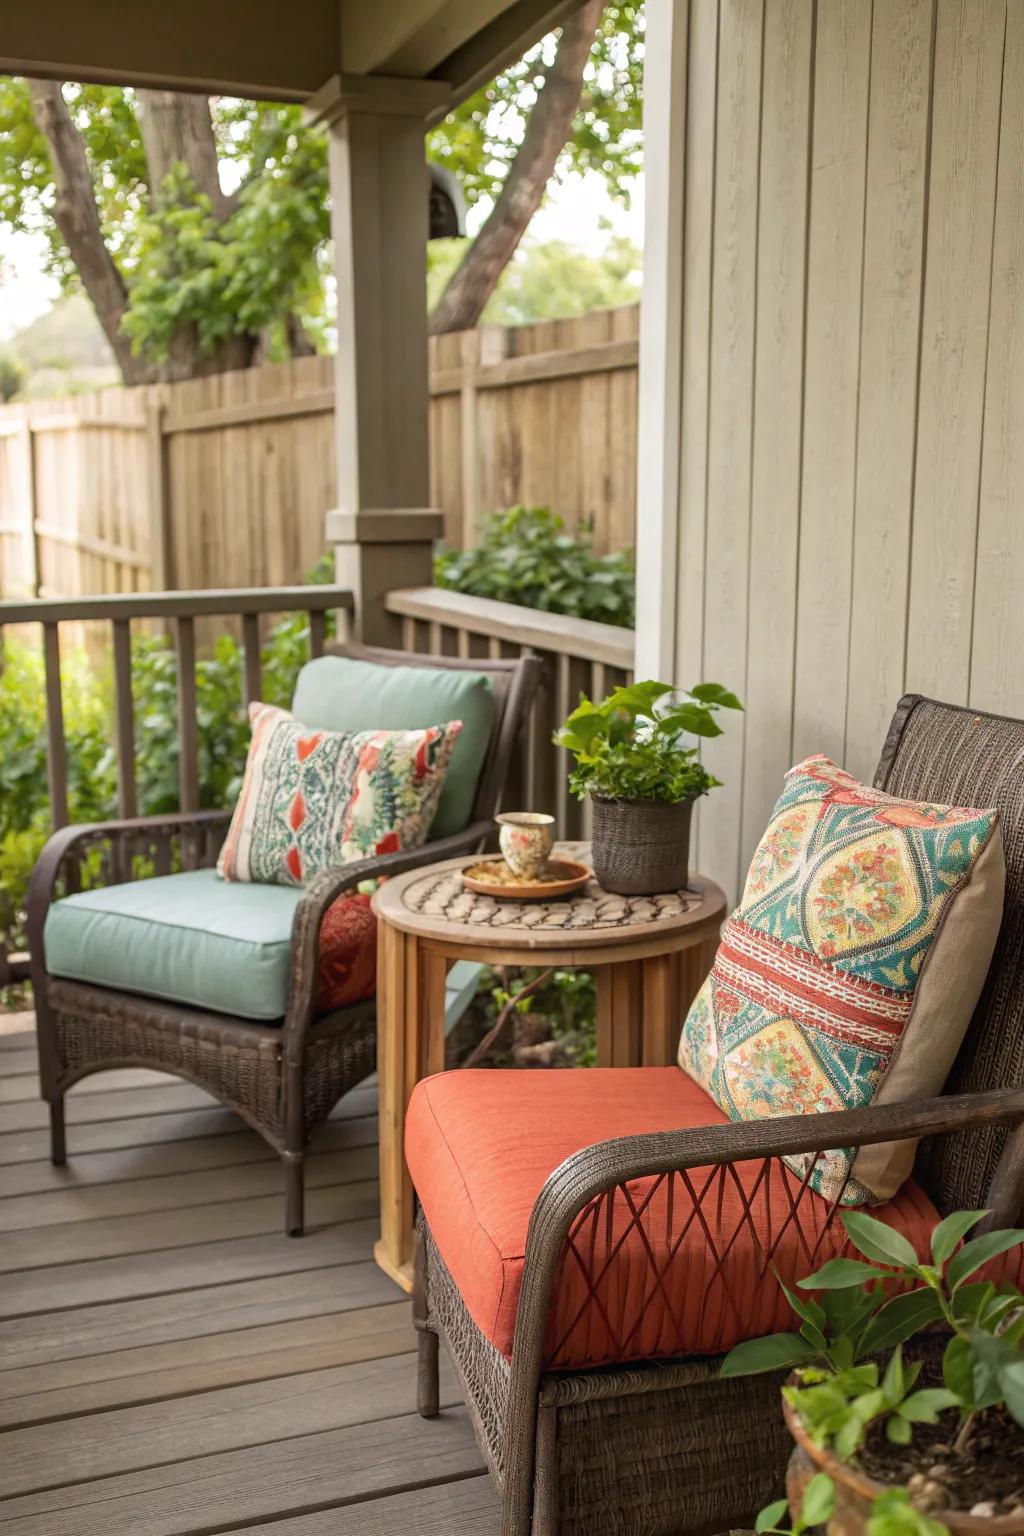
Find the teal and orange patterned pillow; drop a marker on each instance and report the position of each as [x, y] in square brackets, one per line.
[849, 972]
[312, 800]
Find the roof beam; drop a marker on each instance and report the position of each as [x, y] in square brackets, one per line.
[255, 48]
[502, 41]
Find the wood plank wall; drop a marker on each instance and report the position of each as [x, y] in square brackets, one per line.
[851, 517]
[225, 481]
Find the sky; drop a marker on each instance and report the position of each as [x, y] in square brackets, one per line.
[578, 211]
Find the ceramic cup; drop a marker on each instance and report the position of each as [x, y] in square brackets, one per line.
[526, 838]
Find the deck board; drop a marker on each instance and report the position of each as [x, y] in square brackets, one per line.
[172, 1365]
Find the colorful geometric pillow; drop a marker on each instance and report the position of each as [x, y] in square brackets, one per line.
[312, 800]
[849, 972]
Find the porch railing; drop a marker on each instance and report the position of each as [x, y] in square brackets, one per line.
[577, 655]
[179, 613]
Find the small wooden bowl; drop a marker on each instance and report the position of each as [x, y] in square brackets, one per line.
[570, 876]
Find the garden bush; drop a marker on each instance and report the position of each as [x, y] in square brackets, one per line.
[526, 556]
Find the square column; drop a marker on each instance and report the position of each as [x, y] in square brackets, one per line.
[383, 528]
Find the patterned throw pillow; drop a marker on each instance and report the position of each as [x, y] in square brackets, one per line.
[346, 963]
[312, 800]
[849, 972]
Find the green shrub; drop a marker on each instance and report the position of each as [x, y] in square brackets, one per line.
[526, 556]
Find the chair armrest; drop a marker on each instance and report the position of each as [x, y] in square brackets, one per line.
[595, 1170]
[68, 849]
[323, 891]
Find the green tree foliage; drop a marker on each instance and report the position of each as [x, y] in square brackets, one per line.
[478, 141]
[253, 268]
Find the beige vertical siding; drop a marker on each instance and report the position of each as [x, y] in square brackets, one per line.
[851, 518]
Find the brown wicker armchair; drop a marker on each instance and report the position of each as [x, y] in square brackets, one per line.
[658, 1446]
[284, 1079]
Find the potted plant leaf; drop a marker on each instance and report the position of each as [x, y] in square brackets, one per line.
[930, 1439]
[633, 759]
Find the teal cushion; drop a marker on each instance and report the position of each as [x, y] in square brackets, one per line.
[187, 938]
[338, 693]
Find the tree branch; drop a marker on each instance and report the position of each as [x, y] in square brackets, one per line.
[462, 302]
[78, 220]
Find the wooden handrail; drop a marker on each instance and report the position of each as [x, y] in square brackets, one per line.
[176, 605]
[605, 643]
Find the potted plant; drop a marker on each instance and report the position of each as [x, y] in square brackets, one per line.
[632, 759]
[905, 1446]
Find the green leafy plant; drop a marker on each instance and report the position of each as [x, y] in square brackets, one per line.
[632, 746]
[526, 556]
[891, 1514]
[839, 1391]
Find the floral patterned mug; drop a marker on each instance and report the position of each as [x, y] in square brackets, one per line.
[526, 838]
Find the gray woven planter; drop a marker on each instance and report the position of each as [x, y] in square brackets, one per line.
[641, 847]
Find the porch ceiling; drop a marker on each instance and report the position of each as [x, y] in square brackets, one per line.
[262, 49]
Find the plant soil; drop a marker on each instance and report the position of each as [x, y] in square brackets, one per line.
[986, 1478]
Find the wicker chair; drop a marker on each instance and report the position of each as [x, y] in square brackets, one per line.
[284, 1079]
[660, 1446]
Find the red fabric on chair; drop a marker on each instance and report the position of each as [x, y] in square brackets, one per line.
[346, 965]
[680, 1266]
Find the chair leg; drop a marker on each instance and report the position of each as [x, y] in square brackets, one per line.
[58, 1144]
[294, 1193]
[427, 1388]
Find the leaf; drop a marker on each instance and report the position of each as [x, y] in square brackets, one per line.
[692, 718]
[900, 1319]
[769, 1517]
[893, 1383]
[810, 1314]
[1011, 1380]
[878, 1242]
[924, 1407]
[979, 1251]
[841, 1275]
[774, 1352]
[715, 693]
[949, 1232]
[819, 1500]
[958, 1370]
[898, 1430]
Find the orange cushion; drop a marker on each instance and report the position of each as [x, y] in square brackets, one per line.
[346, 967]
[687, 1275]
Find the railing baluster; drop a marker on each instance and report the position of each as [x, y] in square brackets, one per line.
[317, 633]
[188, 762]
[563, 707]
[408, 634]
[124, 719]
[253, 681]
[56, 752]
[462, 643]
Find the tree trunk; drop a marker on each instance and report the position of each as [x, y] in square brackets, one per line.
[177, 129]
[462, 302]
[78, 220]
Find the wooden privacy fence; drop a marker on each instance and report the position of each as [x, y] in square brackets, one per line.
[225, 481]
[577, 656]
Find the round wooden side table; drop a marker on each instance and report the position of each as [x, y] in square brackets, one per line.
[650, 955]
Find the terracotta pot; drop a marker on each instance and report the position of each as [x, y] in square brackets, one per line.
[641, 847]
[856, 1492]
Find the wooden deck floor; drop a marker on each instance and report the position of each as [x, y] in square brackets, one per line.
[170, 1365]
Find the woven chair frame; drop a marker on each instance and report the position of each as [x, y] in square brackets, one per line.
[663, 1446]
[284, 1080]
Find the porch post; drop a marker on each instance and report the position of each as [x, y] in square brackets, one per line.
[383, 527]
[661, 339]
